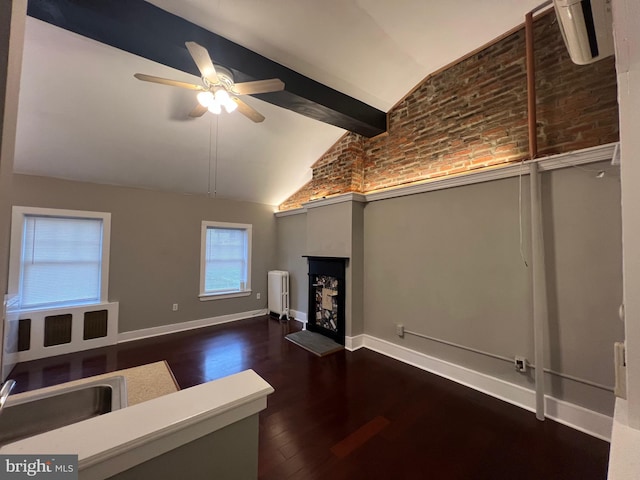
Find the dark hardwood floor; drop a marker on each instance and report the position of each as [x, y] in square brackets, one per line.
[352, 415]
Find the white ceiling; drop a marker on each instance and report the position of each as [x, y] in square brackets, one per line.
[83, 116]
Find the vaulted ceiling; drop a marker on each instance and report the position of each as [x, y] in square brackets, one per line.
[83, 116]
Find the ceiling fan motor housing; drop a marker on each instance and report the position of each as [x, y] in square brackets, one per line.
[225, 78]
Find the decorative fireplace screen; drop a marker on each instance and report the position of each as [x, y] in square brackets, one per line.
[327, 296]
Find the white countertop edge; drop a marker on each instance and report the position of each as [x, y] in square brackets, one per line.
[128, 456]
[115, 442]
[624, 462]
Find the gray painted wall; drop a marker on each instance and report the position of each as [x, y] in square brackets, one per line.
[329, 230]
[447, 264]
[230, 453]
[291, 246]
[6, 164]
[584, 258]
[155, 246]
[355, 272]
[12, 23]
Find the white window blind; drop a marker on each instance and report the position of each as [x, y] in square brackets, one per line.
[61, 261]
[226, 259]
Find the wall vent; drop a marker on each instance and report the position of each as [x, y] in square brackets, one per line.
[95, 324]
[57, 329]
[24, 334]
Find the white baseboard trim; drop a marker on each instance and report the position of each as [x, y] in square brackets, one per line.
[574, 416]
[300, 316]
[354, 343]
[181, 327]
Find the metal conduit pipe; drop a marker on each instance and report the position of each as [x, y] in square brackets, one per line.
[539, 282]
[510, 360]
[457, 345]
[540, 307]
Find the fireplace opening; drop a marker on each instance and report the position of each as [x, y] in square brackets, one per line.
[326, 314]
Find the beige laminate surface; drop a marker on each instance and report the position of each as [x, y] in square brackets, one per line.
[147, 382]
[143, 383]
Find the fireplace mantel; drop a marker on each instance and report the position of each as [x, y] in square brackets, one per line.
[326, 314]
[326, 258]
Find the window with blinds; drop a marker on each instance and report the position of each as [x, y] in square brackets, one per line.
[225, 259]
[62, 257]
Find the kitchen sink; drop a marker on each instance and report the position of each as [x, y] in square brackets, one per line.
[37, 412]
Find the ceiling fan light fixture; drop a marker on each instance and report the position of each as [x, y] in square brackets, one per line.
[230, 106]
[205, 98]
[218, 87]
[215, 107]
[222, 96]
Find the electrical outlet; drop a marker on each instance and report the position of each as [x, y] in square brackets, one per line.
[400, 330]
[175, 307]
[521, 364]
[257, 296]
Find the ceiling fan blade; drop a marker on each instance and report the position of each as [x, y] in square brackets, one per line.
[249, 112]
[198, 111]
[166, 81]
[259, 86]
[201, 56]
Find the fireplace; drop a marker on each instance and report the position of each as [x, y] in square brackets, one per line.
[327, 296]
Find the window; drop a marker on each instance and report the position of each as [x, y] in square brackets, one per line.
[59, 257]
[225, 260]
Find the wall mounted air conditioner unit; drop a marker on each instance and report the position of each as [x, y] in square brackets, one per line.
[587, 28]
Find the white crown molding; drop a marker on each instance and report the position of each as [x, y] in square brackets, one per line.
[346, 197]
[287, 213]
[616, 155]
[181, 327]
[579, 157]
[574, 416]
[563, 160]
[460, 180]
[554, 162]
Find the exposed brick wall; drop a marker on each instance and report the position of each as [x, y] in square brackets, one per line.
[303, 195]
[339, 170]
[473, 115]
[577, 106]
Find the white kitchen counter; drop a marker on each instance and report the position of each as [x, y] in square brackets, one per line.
[111, 443]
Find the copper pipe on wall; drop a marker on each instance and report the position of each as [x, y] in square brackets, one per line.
[531, 87]
[531, 80]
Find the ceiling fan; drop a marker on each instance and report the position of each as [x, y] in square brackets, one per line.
[218, 90]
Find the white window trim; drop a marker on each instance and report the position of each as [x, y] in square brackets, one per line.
[17, 227]
[203, 249]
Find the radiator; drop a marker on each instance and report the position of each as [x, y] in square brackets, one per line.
[279, 293]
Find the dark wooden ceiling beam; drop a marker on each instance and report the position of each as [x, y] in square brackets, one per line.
[145, 30]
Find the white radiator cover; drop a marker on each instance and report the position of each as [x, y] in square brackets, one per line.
[279, 293]
[78, 343]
